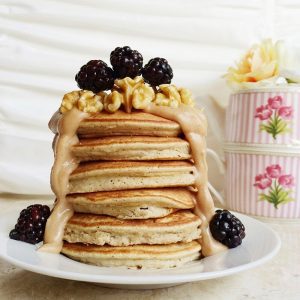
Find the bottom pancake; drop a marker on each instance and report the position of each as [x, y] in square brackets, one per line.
[137, 256]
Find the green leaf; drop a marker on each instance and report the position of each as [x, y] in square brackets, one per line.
[261, 197]
[282, 195]
[263, 126]
[281, 126]
[270, 198]
[287, 200]
[264, 197]
[268, 128]
[290, 80]
[273, 194]
[277, 196]
[273, 128]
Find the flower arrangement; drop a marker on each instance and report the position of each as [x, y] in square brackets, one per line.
[278, 185]
[264, 63]
[275, 116]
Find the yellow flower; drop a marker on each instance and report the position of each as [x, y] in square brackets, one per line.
[260, 62]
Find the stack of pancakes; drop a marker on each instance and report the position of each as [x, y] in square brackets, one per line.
[131, 193]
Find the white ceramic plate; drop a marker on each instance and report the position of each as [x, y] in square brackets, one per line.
[260, 245]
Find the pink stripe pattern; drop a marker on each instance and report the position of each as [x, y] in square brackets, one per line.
[243, 196]
[244, 127]
[254, 119]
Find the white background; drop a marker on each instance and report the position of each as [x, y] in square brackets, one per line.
[44, 43]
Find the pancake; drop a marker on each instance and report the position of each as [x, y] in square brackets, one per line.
[122, 123]
[133, 204]
[123, 175]
[132, 148]
[137, 256]
[181, 226]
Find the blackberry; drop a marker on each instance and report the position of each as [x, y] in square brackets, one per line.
[126, 62]
[31, 224]
[157, 71]
[95, 76]
[227, 229]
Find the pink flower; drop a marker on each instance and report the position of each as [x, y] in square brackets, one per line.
[273, 171]
[263, 112]
[262, 181]
[275, 102]
[285, 112]
[286, 180]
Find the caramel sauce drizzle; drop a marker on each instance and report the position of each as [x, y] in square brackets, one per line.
[65, 125]
[194, 126]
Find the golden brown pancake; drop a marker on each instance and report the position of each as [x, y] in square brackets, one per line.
[181, 226]
[121, 123]
[133, 204]
[137, 256]
[123, 175]
[132, 148]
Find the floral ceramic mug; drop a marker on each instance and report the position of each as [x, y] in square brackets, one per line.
[263, 182]
[264, 116]
[262, 152]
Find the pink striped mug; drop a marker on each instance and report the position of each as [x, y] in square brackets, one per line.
[263, 181]
[262, 152]
[264, 116]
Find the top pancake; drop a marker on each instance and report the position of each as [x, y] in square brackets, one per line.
[122, 123]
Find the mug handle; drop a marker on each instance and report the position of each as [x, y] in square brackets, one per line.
[221, 167]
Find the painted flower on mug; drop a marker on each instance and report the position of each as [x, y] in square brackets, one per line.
[286, 181]
[263, 112]
[275, 116]
[279, 185]
[285, 112]
[275, 102]
[262, 181]
[273, 171]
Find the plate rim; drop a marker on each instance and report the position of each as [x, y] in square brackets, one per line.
[160, 279]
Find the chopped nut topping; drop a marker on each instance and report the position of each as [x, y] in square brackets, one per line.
[186, 97]
[69, 101]
[142, 96]
[113, 101]
[89, 102]
[170, 95]
[84, 100]
[127, 86]
[131, 93]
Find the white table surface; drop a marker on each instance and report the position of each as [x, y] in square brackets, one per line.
[278, 279]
